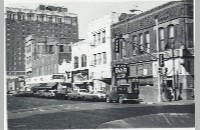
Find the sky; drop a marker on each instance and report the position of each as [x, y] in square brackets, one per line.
[88, 10]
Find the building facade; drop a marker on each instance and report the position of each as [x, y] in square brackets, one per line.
[47, 21]
[47, 61]
[99, 34]
[134, 53]
[81, 63]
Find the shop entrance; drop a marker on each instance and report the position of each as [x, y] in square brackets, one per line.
[169, 83]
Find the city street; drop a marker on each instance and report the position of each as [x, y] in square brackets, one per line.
[39, 113]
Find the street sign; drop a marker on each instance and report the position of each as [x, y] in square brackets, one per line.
[161, 60]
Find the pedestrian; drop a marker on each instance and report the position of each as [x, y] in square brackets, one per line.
[169, 94]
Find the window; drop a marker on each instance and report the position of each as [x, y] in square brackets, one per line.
[29, 17]
[134, 45]
[61, 48]
[103, 36]
[141, 45]
[94, 39]
[147, 42]
[99, 38]
[50, 49]
[76, 62]
[83, 60]
[59, 20]
[161, 39]
[123, 49]
[23, 17]
[8, 16]
[50, 19]
[171, 36]
[99, 58]
[95, 59]
[104, 57]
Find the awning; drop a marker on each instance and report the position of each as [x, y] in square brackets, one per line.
[45, 86]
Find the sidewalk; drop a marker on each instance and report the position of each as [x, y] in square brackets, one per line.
[179, 102]
[160, 120]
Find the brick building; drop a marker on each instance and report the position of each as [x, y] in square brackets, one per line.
[44, 21]
[134, 59]
[47, 61]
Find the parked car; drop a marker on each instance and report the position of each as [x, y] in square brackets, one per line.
[24, 94]
[63, 94]
[41, 93]
[96, 95]
[11, 92]
[120, 94]
[50, 93]
[77, 94]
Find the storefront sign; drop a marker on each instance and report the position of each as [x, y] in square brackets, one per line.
[121, 70]
[116, 48]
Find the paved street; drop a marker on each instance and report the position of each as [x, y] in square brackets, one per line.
[38, 113]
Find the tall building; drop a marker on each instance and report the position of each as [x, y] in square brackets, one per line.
[46, 21]
[134, 53]
[100, 36]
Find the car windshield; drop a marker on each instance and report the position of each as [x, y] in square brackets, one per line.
[82, 91]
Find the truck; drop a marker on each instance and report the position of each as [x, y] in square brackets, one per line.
[120, 94]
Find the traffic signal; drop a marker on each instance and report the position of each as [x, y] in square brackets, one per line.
[160, 71]
[161, 60]
[165, 71]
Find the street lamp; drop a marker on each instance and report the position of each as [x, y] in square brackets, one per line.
[155, 19]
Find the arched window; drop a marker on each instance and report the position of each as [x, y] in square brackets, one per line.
[83, 60]
[76, 63]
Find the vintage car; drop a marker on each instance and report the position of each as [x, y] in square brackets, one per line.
[120, 94]
[77, 94]
[96, 95]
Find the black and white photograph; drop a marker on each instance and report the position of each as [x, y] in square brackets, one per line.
[99, 64]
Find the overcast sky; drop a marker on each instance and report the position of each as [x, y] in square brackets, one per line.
[89, 10]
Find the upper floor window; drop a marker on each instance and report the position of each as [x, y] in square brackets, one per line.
[104, 57]
[94, 39]
[95, 59]
[147, 42]
[61, 48]
[99, 37]
[123, 49]
[59, 20]
[161, 39]
[76, 62]
[104, 36]
[141, 44]
[29, 17]
[171, 36]
[8, 16]
[134, 47]
[83, 60]
[99, 58]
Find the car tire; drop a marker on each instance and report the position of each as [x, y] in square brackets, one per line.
[121, 101]
[108, 100]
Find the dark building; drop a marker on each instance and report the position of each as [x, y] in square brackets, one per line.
[134, 57]
[45, 21]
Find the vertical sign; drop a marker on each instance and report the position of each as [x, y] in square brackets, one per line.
[116, 48]
[161, 60]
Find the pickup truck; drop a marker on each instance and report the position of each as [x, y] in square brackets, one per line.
[120, 94]
[77, 94]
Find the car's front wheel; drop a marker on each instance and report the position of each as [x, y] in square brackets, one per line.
[108, 100]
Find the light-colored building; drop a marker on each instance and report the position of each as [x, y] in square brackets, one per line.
[81, 63]
[99, 34]
[47, 62]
